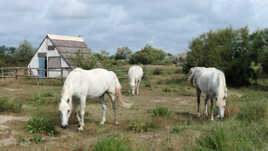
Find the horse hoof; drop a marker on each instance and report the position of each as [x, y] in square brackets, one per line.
[80, 129]
[116, 123]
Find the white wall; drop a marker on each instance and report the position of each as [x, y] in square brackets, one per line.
[34, 63]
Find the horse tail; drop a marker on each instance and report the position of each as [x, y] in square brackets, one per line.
[118, 93]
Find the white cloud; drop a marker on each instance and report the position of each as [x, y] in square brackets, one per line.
[169, 24]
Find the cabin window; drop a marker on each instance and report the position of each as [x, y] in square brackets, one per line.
[51, 47]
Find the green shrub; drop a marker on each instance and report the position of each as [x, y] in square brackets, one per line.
[8, 106]
[176, 81]
[112, 143]
[253, 111]
[85, 61]
[40, 125]
[161, 111]
[157, 71]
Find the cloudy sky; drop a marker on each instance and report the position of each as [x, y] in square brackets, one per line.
[109, 24]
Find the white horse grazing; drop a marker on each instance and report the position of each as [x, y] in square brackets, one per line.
[210, 81]
[89, 83]
[135, 74]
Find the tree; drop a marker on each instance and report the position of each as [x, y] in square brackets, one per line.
[259, 48]
[84, 61]
[104, 54]
[25, 50]
[147, 55]
[123, 53]
[226, 49]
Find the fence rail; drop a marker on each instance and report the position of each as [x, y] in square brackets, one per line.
[27, 73]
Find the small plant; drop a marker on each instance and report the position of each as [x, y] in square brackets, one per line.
[160, 82]
[113, 143]
[161, 111]
[36, 139]
[147, 83]
[177, 129]
[47, 94]
[40, 125]
[166, 90]
[21, 139]
[253, 111]
[8, 106]
[38, 100]
[157, 71]
[142, 127]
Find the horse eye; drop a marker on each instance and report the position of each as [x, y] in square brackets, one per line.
[68, 111]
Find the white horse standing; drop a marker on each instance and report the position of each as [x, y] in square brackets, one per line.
[89, 83]
[135, 74]
[211, 81]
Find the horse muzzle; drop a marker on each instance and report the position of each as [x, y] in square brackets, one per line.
[64, 126]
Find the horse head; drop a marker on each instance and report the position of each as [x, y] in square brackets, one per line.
[65, 109]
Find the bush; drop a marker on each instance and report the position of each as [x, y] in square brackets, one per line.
[253, 111]
[161, 111]
[8, 106]
[112, 143]
[40, 125]
[148, 55]
[227, 50]
[178, 128]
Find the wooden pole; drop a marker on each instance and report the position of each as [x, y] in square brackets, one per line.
[16, 71]
[61, 73]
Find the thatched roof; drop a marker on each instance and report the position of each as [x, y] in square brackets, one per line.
[68, 46]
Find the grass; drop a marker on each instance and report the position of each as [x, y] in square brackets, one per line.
[161, 111]
[142, 126]
[113, 143]
[223, 137]
[253, 111]
[7, 106]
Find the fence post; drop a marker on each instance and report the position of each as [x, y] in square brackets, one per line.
[16, 73]
[61, 73]
[2, 71]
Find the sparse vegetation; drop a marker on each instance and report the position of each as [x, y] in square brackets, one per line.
[112, 143]
[253, 111]
[7, 106]
[157, 71]
[142, 126]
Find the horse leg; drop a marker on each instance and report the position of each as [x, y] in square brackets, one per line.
[75, 105]
[211, 109]
[206, 106]
[198, 101]
[112, 97]
[104, 108]
[138, 87]
[82, 112]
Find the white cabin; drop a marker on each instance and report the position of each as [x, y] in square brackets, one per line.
[54, 56]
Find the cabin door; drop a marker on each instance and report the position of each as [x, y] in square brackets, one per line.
[42, 65]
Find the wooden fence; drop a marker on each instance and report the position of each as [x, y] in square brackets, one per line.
[24, 72]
